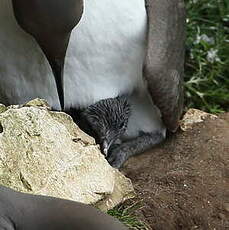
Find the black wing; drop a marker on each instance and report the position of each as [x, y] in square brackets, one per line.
[50, 22]
[164, 63]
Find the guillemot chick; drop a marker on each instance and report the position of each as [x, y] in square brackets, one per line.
[107, 121]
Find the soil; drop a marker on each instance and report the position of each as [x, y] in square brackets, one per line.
[184, 183]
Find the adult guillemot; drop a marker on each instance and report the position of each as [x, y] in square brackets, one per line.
[20, 211]
[123, 47]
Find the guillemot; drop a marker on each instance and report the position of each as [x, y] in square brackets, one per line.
[125, 47]
[20, 211]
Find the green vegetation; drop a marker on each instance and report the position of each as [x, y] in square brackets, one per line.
[126, 216]
[207, 57]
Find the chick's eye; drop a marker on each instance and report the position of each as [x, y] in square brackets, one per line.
[122, 125]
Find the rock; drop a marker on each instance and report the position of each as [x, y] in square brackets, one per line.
[222, 216]
[38, 102]
[2, 108]
[226, 207]
[193, 116]
[44, 152]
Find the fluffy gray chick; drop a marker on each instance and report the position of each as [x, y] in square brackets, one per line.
[108, 120]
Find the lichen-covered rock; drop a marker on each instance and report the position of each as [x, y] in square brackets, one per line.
[193, 116]
[2, 108]
[44, 152]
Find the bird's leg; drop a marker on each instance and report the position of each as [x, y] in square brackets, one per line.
[118, 154]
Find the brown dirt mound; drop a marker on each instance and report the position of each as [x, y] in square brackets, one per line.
[184, 183]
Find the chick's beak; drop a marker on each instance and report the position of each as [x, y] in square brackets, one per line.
[105, 146]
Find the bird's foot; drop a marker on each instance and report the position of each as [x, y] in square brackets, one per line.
[117, 156]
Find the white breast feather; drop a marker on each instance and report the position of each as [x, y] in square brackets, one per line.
[106, 51]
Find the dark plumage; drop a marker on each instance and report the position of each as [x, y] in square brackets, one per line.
[52, 32]
[20, 211]
[108, 119]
